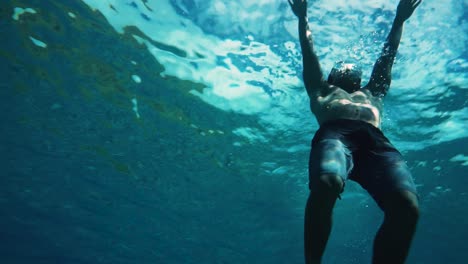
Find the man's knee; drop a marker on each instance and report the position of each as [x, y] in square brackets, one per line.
[328, 183]
[402, 206]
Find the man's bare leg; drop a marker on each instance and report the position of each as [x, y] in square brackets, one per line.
[394, 237]
[318, 216]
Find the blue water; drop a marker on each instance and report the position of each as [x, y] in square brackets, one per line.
[178, 131]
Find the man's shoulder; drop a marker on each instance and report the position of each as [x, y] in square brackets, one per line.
[370, 95]
[323, 90]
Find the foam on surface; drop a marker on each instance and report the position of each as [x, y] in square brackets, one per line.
[18, 11]
[38, 42]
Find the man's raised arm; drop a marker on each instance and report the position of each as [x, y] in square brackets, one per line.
[312, 74]
[381, 77]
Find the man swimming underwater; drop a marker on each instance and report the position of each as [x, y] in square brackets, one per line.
[350, 145]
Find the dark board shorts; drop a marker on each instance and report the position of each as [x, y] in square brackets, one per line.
[358, 151]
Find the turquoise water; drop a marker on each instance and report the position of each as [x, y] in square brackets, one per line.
[179, 131]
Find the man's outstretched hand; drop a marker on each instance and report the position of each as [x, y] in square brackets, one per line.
[299, 7]
[405, 9]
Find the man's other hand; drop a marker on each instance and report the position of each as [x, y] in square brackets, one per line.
[299, 7]
[405, 9]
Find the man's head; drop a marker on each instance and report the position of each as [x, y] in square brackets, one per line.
[347, 76]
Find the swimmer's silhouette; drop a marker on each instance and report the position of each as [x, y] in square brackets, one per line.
[350, 145]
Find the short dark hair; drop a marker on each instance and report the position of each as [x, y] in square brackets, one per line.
[347, 76]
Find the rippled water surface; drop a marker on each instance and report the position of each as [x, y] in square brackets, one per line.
[178, 131]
